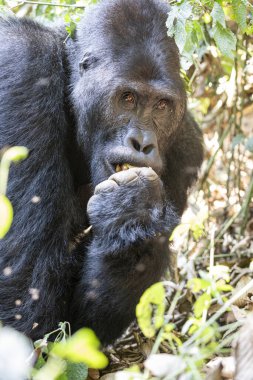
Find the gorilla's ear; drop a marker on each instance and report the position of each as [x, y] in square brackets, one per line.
[86, 62]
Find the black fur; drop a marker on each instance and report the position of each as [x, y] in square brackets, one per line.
[65, 103]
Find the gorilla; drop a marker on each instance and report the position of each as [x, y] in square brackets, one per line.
[113, 152]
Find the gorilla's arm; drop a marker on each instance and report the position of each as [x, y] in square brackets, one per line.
[183, 161]
[112, 285]
[132, 220]
[126, 255]
[34, 265]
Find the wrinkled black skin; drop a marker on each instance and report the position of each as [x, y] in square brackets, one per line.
[71, 118]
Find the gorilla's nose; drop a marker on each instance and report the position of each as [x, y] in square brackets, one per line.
[142, 143]
[142, 148]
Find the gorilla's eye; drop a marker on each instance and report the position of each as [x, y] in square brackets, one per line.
[128, 99]
[163, 104]
[86, 62]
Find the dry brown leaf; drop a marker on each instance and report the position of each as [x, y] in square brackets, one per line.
[245, 298]
[93, 374]
[240, 314]
[221, 368]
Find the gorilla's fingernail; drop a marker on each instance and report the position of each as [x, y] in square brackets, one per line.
[105, 185]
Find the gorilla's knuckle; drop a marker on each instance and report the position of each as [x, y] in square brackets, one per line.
[106, 186]
[125, 177]
[93, 203]
[148, 174]
[135, 175]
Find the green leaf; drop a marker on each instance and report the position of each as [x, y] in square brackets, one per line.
[249, 29]
[62, 376]
[151, 305]
[82, 347]
[225, 40]
[171, 21]
[198, 230]
[16, 154]
[176, 23]
[52, 370]
[198, 284]
[240, 13]
[40, 362]
[180, 34]
[208, 334]
[6, 215]
[76, 371]
[185, 10]
[71, 28]
[221, 287]
[203, 302]
[67, 18]
[198, 31]
[133, 369]
[218, 15]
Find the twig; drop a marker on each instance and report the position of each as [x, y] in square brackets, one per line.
[245, 207]
[212, 159]
[48, 3]
[167, 319]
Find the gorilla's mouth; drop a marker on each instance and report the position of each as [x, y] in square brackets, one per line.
[120, 159]
[121, 167]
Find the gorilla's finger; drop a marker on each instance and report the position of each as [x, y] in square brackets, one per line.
[107, 185]
[129, 176]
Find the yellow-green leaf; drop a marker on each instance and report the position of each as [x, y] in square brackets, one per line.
[82, 347]
[198, 284]
[203, 302]
[16, 154]
[151, 305]
[6, 215]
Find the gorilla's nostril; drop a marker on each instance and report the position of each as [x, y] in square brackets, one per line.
[136, 145]
[148, 149]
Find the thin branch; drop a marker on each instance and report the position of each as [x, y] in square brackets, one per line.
[48, 3]
[212, 159]
[245, 207]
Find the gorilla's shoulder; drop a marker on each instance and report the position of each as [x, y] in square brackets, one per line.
[22, 27]
[25, 37]
[30, 53]
[31, 75]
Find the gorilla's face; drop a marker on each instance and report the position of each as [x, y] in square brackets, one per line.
[129, 87]
[136, 121]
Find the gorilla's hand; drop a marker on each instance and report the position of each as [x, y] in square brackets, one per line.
[124, 256]
[129, 207]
